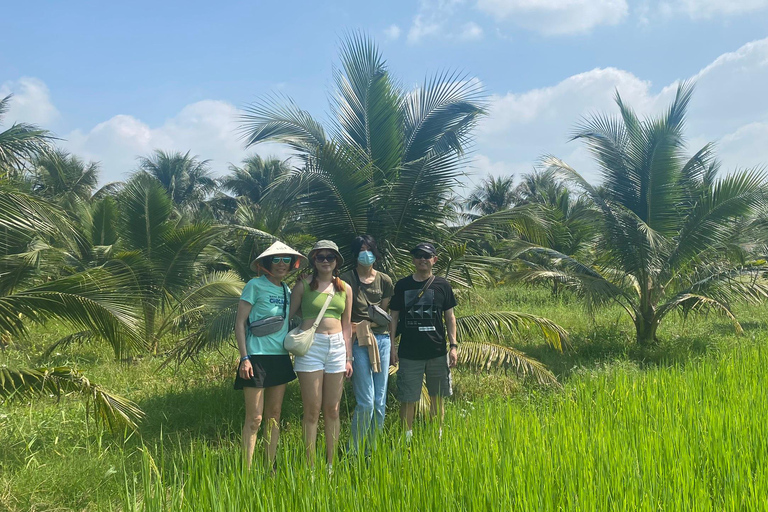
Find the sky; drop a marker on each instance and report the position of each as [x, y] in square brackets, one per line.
[116, 80]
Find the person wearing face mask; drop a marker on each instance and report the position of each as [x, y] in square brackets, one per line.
[260, 327]
[372, 343]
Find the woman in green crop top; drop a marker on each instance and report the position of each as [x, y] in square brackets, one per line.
[322, 370]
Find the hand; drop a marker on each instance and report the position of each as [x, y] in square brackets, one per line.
[348, 369]
[452, 358]
[393, 359]
[246, 370]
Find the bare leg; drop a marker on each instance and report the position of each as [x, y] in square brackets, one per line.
[254, 405]
[273, 404]
[333, 386]
[311, 384]
[407, 412]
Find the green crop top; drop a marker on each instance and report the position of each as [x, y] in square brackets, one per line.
[312, 302]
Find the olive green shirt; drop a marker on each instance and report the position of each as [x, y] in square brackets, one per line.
[381, 288]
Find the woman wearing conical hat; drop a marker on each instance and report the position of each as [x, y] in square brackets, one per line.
[265, 366]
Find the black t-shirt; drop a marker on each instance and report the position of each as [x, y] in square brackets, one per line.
[421, 327]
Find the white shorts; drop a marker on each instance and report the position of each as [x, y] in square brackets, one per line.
[327, 353]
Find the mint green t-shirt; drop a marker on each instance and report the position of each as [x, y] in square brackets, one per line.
[266, 300]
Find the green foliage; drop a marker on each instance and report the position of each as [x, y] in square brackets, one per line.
[112, 410]
[666, 226]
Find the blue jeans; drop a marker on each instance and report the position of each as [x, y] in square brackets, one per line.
[370, 392]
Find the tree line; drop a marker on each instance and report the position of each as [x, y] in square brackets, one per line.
[155, 264]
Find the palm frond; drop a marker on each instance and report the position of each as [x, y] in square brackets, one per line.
[97, 300]
[367, 106]
[494, 324]
[490, 355]
[279, 119]
[112, 410]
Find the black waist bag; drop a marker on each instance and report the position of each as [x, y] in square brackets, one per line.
[271, 324]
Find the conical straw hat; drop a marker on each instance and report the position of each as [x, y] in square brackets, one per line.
[274, 250]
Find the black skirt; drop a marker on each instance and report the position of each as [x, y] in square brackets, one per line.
[268, 371]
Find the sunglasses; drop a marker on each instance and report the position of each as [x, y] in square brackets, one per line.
[285, 259]
[325, 257]
[422, 256]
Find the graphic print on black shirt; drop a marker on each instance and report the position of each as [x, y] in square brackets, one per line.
[421, 327]
[423, 314]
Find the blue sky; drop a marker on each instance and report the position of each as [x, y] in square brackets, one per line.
[118, 79]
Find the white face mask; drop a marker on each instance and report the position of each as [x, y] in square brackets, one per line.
[366, 258]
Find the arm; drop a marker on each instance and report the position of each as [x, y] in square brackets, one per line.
[450, 325]
[296, 294]
[346, 329]
[392, 334]
[243, 310]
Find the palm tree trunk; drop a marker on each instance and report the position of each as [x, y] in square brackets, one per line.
[645, 327]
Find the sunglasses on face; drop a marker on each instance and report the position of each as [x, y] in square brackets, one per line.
[422, 256]
[325, 257]
[284, 259]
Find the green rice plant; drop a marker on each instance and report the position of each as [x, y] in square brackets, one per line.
[678, 437]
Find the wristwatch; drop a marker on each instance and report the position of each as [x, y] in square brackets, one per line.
[244, 358]
[453, 345]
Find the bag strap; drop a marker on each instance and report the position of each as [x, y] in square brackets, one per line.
[421, 293]
[285, 300]
[322, 310]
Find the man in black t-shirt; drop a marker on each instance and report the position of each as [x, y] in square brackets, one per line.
[422, 313]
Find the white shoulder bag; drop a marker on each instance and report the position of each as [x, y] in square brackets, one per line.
[298, 342]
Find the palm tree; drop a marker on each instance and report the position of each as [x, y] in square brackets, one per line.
[164, 261]
[19, 143]
[493, 195]
[185, 178]
[64, 179]
[389, 168]
[254, 177]
[666, 225]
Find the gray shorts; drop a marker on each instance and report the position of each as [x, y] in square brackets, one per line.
[410, 376]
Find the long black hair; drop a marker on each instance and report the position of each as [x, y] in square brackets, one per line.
[362, 240]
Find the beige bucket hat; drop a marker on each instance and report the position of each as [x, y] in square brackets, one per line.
[276, 249]
[331, 246]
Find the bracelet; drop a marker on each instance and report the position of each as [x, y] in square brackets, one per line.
[350, 359]
[453, 345]
[244, 358]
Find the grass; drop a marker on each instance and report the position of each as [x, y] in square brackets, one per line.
[679, 426]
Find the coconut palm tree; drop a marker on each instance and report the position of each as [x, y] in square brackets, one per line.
[493, 195]
[19, 143]
[666, 224]
[164, 260]
[64, 179]
[185, 178]
[387, 166]
[252, 179]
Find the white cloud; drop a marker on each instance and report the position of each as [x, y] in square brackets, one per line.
[557, 17]
[704, 9]
[207, 128]
[392, 32]
[31, 102]
[435, 19]
[471, 31]
[729, 107]
[422, 27]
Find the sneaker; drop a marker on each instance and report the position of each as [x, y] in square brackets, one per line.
[440, 434]
[408, 436]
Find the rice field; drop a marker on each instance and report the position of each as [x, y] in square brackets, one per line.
[679, 426]
[673, 438]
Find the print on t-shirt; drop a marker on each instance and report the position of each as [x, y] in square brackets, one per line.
[422, 315]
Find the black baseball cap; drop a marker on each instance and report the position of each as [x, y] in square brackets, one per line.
[425, 247]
